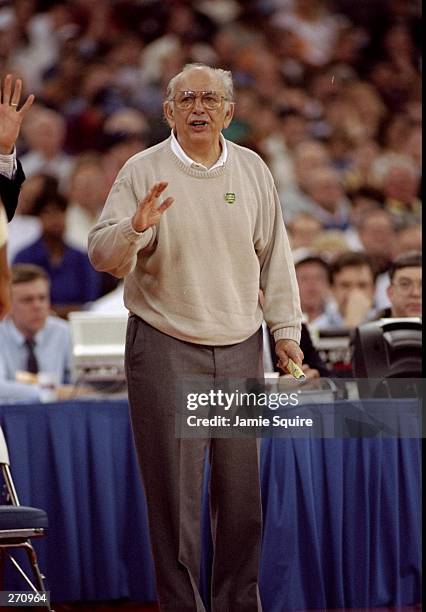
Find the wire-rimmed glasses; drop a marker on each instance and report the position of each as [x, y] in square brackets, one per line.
[211, 100]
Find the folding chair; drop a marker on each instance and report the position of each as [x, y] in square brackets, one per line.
[18, 524]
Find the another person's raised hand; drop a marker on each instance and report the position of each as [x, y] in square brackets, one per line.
[357, 307]
[11, 116]
[149, 210]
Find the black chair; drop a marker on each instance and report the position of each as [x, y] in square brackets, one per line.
[18, 524]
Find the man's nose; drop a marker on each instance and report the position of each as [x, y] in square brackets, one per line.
[198, 105]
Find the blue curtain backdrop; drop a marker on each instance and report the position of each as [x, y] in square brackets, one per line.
[341, 516]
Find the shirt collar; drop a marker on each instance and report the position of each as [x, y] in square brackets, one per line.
[180, 153]
[19, 337]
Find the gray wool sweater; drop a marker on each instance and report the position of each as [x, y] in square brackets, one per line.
[196, 275]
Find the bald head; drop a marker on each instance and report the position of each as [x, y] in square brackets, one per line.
[223, 78]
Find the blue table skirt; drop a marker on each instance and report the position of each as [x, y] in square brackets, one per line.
[341, 517]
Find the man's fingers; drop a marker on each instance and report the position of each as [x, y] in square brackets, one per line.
[286, 350]
[297, 357]
[7, 89]
[160, 187]
[147, 213]
[157, 189]
[153, 193]
[16, 92]
[28, 103]
[165, 205]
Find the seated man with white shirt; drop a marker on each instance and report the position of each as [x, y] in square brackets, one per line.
[31, 341]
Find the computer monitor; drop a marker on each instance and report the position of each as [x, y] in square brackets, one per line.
[98, 341]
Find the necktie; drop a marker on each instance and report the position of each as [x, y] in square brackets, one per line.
[32, 365]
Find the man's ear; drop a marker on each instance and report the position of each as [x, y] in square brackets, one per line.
[229, 114]
[168, 113]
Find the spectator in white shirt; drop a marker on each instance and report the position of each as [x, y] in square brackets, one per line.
[31, 341]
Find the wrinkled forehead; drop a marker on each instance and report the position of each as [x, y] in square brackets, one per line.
[199, 79]
[411, 272]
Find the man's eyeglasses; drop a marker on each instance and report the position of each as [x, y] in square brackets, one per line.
[405, 285]
[211, 100]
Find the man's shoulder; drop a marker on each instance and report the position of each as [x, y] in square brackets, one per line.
[5, 329]
[146, 155]
[249, 160]
[29, 251]
[57, 326]
[245, 153]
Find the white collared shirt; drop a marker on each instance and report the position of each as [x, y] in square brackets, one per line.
[180, 153]
[53, 350]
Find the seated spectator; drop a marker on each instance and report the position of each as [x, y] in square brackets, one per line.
[328, 201]
[314, 285]
[368, 105]
[405, 289]
[314, 27]
[31, 341]
[400, 185]
[124, 134]
[44, 133]
[362, 200]
[25, 227]
[376, 231]
[359, 175]
[302, 230]
[73, 280]
[87, 194]
[408, 238]
[352, 280]
[328, 244]
[309, 155]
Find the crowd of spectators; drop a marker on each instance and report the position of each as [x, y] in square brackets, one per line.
[327, 92]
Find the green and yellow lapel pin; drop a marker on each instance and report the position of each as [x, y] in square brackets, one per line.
[230, 197]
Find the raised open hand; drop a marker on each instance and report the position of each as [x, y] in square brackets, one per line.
[149, 212]
[10, 117]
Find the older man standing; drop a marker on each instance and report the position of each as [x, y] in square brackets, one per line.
[193, 267]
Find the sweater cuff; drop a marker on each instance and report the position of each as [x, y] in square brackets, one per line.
[287, 333]
[142, 238]
[8, 164]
